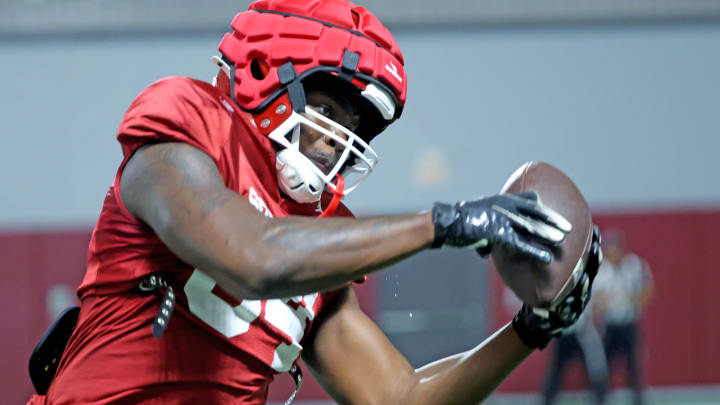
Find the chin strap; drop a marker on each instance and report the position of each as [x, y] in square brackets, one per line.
[337, 196]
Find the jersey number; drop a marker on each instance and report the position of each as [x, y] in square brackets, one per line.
[289, 315]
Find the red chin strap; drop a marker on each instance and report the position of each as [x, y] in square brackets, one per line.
[337, 196]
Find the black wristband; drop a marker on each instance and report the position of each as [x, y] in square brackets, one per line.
[532, 337]
[443, 215]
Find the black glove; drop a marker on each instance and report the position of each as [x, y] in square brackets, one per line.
[508, 220]
[537, 326]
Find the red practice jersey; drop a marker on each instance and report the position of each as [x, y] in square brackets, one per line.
[216, 349]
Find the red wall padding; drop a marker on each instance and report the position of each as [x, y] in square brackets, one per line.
[681, 326]
[31, 263]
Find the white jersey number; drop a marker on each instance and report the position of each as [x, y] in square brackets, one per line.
[232, 321]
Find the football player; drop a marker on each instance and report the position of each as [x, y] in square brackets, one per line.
[222, 252]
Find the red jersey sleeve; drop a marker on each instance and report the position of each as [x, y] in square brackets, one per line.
[175, 109]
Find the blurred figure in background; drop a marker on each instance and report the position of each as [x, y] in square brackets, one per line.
[580, 341]
[622, 290]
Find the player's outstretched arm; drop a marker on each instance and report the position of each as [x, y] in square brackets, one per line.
[178, 191]
[357, 364]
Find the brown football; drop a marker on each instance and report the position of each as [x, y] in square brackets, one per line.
[534, 282]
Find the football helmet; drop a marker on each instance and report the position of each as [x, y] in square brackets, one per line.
[279, 49]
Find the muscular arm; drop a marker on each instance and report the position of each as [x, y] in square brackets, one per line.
[357, 364]
[177, 190]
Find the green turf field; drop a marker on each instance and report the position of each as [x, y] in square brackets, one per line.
[664, 396]
[707, 395]
[653, 401]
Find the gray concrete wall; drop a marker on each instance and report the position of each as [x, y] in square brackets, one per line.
[42, 17]
[629, 112]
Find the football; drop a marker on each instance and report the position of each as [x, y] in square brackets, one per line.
[536, 283]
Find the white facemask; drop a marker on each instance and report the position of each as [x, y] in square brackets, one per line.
[299, 177]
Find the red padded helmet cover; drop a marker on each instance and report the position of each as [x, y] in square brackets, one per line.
[277, 39]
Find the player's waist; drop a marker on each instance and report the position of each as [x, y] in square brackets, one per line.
[163, 309]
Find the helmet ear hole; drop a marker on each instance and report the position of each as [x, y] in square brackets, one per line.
[259, 68]
[356, 18]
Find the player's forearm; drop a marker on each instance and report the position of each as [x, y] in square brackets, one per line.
[312, 255]
[469, 377]
[178, 191]
[296, 255]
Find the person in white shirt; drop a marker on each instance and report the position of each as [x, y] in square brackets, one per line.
[623, 288]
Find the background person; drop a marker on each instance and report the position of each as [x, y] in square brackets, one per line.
[581, 342]
[621, 293]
